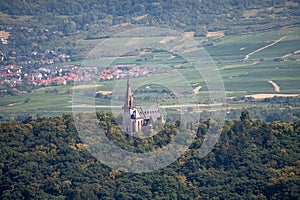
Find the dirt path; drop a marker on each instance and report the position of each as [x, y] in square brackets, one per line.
[275, 85]
[290, 54]
[263, 96]
[92, 106]
[104, 92]
[133, 41]
[196, 90]
[262, 48]
[15, 104]
[86, 86]
[167, 39]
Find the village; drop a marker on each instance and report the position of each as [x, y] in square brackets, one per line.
[14, 75]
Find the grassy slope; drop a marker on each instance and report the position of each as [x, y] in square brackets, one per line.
[252, 75]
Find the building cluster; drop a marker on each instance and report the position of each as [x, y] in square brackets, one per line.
[48, 57]
[12, 75]
[120, 71]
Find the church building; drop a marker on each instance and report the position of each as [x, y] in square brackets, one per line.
[139, 119]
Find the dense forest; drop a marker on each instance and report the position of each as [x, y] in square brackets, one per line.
[44, 158]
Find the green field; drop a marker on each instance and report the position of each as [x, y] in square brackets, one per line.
[241, 77]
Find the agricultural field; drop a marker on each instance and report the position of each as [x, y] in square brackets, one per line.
[263, 63]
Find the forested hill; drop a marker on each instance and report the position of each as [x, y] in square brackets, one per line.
[42, 25]
[232, 16]
[45, 159]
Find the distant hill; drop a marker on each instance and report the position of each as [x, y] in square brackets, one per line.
[232, 16]
[39, 25]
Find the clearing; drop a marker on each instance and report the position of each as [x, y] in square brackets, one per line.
[215, 34]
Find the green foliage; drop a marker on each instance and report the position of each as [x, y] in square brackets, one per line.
[40, 25]
[44, 158]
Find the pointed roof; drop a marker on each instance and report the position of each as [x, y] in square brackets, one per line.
[129, 96]
[128, 93]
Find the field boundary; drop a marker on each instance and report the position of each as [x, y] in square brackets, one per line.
[263, 48]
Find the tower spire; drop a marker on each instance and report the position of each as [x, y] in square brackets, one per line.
[129, 96]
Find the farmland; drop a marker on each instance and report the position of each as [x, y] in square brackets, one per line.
[277, 62]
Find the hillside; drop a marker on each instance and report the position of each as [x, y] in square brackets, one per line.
[188, 15]
[253, 160]
[40, 25]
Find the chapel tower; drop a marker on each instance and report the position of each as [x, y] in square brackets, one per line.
[138, 119]
[128, 105]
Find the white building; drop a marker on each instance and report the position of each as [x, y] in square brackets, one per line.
[139, 119]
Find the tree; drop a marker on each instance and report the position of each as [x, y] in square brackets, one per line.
[244, 116]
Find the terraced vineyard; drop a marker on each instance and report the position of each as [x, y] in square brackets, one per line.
[273, 60]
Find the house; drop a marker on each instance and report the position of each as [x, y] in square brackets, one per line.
[4, 37]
